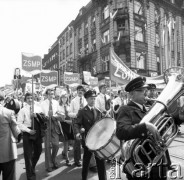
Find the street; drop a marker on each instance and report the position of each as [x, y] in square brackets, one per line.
[74, 173]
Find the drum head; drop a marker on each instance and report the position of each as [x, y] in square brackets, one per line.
[100, 134]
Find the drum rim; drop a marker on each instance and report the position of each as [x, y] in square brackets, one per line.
[107, 158]
[107, 141]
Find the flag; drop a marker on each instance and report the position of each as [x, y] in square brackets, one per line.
[31, 63]
[121, 74]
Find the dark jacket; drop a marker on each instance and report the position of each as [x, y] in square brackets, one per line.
[85, 119]
[128, 119]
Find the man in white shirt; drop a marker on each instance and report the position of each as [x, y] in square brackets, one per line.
[76, 104]
[103, 100]
[118, 102]
[32, 148]
[50, 107]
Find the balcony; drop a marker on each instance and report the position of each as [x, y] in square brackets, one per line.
[105, 22]
[122, 13]
[124, 41]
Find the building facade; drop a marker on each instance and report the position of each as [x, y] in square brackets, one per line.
[51, 59]
[66, 51]
[148, 36]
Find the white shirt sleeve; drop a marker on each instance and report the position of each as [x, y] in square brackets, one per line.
[20, 121]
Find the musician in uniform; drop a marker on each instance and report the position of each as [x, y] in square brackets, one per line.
[32, 142]
[85, 119]
[129, 127]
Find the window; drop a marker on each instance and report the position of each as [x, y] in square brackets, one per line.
[105, 39]
[63, 40]
[80, 31]
[173, 1]
[105, 63]
[157, 40]
[158, 65]
[71, 48]
[138, 7]
[139, 34]
[86, 49]
[70, 33]
[106, 12]
[93, 22]
[140, 60]
[63, 54]
[94, 45]
[67, 51]
[86, 28]
[66, 36]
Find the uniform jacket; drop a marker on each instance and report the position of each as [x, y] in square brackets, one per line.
[9, 131]
[85, 119]
[128, 119]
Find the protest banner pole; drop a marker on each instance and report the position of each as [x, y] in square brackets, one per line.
[32, 101]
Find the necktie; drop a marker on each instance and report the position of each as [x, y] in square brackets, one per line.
[50, 108]
[32, 124]
[81, 104]
[94, 114]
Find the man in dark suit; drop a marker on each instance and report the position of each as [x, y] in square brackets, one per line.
[9, 132]
[86, 118]
[128, 122]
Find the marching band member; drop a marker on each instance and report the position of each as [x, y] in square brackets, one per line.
[103, 102]
[86, 118]
[128, 126]
[76, 104]
[32, 148]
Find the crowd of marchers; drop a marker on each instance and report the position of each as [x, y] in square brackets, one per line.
[50, 119]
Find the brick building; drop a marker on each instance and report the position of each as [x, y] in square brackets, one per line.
[148, 36]
[51, 60]
[66, 50]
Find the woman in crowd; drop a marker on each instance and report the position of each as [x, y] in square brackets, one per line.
[66, 126]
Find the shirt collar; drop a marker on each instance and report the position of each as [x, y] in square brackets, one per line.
[90, 107]
[141, 106]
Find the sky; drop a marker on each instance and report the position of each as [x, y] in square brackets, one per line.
[31, 26]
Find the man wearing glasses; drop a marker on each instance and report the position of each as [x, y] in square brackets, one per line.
[129, 126]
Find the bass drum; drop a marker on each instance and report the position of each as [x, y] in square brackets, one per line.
[102, 140]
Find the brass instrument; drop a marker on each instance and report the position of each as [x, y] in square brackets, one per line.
[145, 153]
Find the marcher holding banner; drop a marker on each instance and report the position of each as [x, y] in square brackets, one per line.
[32, 148]
[50, 107]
